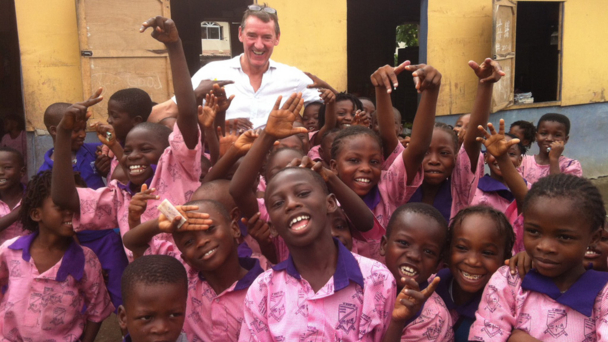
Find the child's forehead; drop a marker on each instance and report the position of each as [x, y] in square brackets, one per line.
[551, 124]
[9, 157]
[416, 223]
[288, 178]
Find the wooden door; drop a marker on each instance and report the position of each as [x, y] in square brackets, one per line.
[503, 50]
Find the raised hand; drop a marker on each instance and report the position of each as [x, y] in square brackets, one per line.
[244, 142]
[327, 95]
[280, 121]
[241, 124]
[258, 229]
[139, 203]
[105, 133]
[103, 163]
[410, 300]
[77, 113]
[194, 220]
[488, 72]
[223, 102]
[316, 82]
[405, 141]
[227, 140]
[206, 86]
[385, 75]
[163, 29]
[206, 113]
[496, 144]
[557, 148]
[425, 77]
[361, 119]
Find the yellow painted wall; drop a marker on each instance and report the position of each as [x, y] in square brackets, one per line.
[313, 38]
[462, 30]
[50, 55]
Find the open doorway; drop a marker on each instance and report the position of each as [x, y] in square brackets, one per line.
[538, 45]
[12, 126]
[211, 23]
[371, 43]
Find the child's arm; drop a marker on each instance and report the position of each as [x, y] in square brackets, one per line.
[521, 336]
[138, 205]
[488, 72]
[8, 219]
[240, 148]
[557, 148]
[206, 120]
[520, 263]
[90, 331]
[164, 31]
[498, 146]
[63, 186]
[428, 81]
[329, 98]
[319, 83]
[279, 125]
[260, 231]
[409, 301]
[381, 80]
[223, 103]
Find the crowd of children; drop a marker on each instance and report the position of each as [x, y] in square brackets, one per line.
[324, 225]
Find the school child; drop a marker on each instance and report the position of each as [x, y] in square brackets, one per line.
[398, 124]
[16, 137]
[368, 106]
[105, 243]
[525, 131]
[552, 134]
[54, 287]
[218, 278]
[155, 290]
[322, 152]
[558, 299]
[12, 169]
[166, 161]
[480, 238]
[341, 296]
[357, 154]
[492, 189]
[413, 246]
[310, 116]
[462, 123]
[451, 171]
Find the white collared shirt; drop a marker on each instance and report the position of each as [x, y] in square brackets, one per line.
[279, 79]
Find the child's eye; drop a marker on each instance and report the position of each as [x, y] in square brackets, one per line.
[189, 242]
[176, 314]
[460, 248]
[352, 160]
[533, 232]
[304, 193]
[430, 252]
[488, 253]
[145, 318]
[566, 237]
[277, 204]
[445, 153]
[403, 243]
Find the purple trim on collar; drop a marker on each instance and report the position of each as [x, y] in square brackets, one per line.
[489, 184]
[347, 268]
[469, 308]
[71, 263]
[254, 269]
[443, 199]
[372, 198]
[580, 296]
[127, 187]
[244, 251]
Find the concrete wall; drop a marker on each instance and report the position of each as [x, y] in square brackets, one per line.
[588, 139]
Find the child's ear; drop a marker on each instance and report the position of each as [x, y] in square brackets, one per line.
[122, 317]
[234, 229]
[36, 214]
[566, 140]
[595, 237]
[22, 171]
[332, 164]
[138, 119]
[383, 245]
[332, 203]
[235, 214]
[53, 131]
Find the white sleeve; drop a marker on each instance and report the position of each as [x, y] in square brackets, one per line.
[309, 95]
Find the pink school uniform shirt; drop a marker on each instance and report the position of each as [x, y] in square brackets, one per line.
[355, 304]
[15, 229]
[175, 179]
[217, 317]
[54, 305]
[532, 171]
[535, 305]
[432, 323]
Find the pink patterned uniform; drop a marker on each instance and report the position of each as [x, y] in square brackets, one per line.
[314, 154]
[15, 229]
[355, 304]
[213, 317]
[176, 178]
[367, 243]
[536, 306]
[492, 193]
[55, 304]
[532, 171]
[432, 323]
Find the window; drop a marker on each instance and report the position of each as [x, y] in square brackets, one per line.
[211, 31]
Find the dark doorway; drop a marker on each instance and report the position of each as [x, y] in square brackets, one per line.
[538, 50]
[188, 16]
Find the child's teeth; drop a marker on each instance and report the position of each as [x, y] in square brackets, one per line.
[298, 219]
[136, 169]
[210, 252]
[408, 271]
[363, 180]
[471, 276]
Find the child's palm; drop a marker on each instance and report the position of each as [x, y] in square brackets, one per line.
[488, 72]
[495, 142]
[245, 141]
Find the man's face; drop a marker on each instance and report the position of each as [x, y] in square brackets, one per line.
[259, 39]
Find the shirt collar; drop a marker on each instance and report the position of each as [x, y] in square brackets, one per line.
[347, 268]
[443, 199]
[372, 198]
[580, 296]
[252, 265]
[71, 263]
[127, 187]
[489, 184]
[443, 290]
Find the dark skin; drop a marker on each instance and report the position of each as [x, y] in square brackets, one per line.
[551, 134]
[11, 192]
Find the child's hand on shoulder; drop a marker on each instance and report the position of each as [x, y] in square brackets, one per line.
[488, 72]
[194, 220]
[223, 102]
[163, 29]
[280, 121]
[425, 77]
[77, 113]
[206, 113]
[259, 229]
[520, 263]
[139, 202]
[496, 144]
[105, 133]
[557, 148]
[410, 300]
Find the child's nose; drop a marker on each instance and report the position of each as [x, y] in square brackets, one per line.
[413, 254]
[161, 327]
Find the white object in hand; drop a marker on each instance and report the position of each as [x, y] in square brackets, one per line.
[171, 212]
[109, 135]
[548, 149]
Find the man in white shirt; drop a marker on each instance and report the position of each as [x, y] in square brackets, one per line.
[254, 79]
